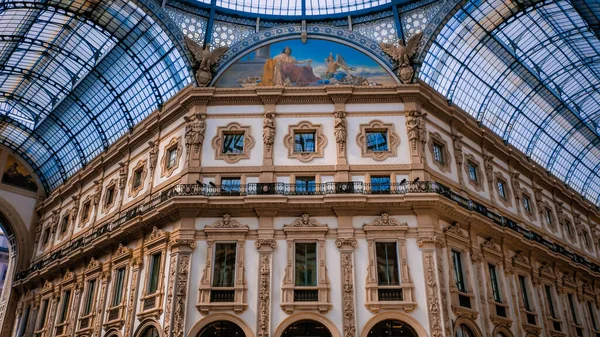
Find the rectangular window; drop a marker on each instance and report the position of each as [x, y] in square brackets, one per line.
[473, 172]
[502, 189]
[110, 195]
[137, 178]
[377, 141]
[592, 312]
[526, 203]
[495, 286]
[230, 184]
[43, 313]
[224, 267]
[153, 273]
[524, 293]
[89, 300]
[550, 302]
[438, 153]
[387, 264]
[380, 183]
[305, 184]
[233, 143]
[64, 311]
[64, 224]
[306, 264]
[569, 229]
[172, 157]
[458, 272]
[572, 307]
[86, 211]
[46, 237]
[548, 215]
[304, 141]
[118, 287]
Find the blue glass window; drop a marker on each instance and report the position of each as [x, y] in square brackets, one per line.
[377, 141]
[233, 143]
[380, 184]
[459, 276]
[230, 184]
[502, 189]
[438, 152]
[494, 282]
[473, 172]
[527, 203]
[304, 142]
[305, 184]
[171, 157]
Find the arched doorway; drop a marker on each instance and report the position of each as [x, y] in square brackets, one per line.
[306, 327]
[150, 331]
[463, 331]
[221, 329]
[392, 328]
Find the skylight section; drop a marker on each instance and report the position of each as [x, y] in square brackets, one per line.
[294, 7]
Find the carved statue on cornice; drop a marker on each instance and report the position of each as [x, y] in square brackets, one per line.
[54, 219]
[539, 199]
[559, 213]
[97, 191]
[457, 143]
[488, 162]
[415, 127]
[269, 129]
[194, 131]
[340, 129]
[402, 54]
[205, 59]
[75, 209]
[516, 184]
[122, 175]
[153, 154]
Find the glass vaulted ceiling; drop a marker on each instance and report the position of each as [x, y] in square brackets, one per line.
[76, 75]
[531, 74]
[296, 7]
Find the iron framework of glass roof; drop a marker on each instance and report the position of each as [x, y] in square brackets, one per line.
[531, 74]
[76, 75]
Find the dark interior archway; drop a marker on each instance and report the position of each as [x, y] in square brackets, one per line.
[150, 331]
[464, 331]
[221, 329]
[392, 328]
[306, 328]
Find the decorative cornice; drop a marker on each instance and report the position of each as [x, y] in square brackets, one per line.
[385, 220]
[305, 221]
[339, 242]
[265, 242]
[227, 222]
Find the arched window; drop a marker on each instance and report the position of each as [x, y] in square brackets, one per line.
[306, 328]
[464, 331]
[221, 329]
[392, 328]
[150, 332]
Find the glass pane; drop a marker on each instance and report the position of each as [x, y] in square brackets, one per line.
[304, 142]
[472, 172]
[377, 141]
[438, 155]
[458, 272]
[524, 293]
[572, 307]
[305, 184]
[233, 143]
[154, 273]
[110, 193]
[230, 184]
[550, 301]
[137, 178]
[224, 269]
[494, 280]
[118, 290]
[380, 183]
[306, 264]
[501, 190]
[592, 313]
[42, 321]
[526, 203]
[90, 297]
[548, 216]
[64, 224]
[23, 323]
[172, 158]
[65, 306]
[387, 264]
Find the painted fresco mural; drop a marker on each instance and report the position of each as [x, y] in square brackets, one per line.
[314, 63]
[17, 175]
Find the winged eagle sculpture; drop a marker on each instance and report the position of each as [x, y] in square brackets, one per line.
[205, 58]
[402, 54]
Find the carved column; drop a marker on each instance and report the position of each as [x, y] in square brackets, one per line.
[51, 314]
[477, 260]
[459, 158]
[443, 293]
[104, 278]
[136, 264]
[428, 250]
[339, 96]
[415, 121]
[346, 247]
[179, 269]
[75, 306]
[30, 328]
[265, 253]
[195, 126]
[269, 97]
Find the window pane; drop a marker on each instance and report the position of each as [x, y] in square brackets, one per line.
[172, 158]
[526, 203]
[524, 292]
[224, 269]
[304, 142]
[65, 224]
[380, 183]
[472, 172]
[118, 290]
[494, 280]
[501, 190]
[23, 322]
[90, 297]
[572, 307]
[42, 321]
[233, 143]
[137, 178]
[230, 184]
[387, 264]
[306, 264]
[65, 306]
[110, 193]
[377, 141]
[592, 313]
[548, 216]
[154, 273]
[458, 272]
[305, 184]
[438, 155]
[550, 302]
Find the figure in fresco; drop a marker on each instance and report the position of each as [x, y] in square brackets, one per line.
[333, 65]
[284, 69]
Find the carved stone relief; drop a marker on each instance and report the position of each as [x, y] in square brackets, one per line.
[340, 130]
[194, 132]
[415, 128]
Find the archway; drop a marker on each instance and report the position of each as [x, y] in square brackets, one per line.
[502, 331]
[149, 328]
[221, 329]
[392, 328]
[306, 322]
[466, 327]
[390, 316]
[214, 318]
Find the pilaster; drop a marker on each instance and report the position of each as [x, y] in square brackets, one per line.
[181, 246]
[265, 248]
[346, 247]
[136, 264]
[428, 249]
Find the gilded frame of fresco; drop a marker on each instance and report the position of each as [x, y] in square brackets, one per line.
[107, 206]
[470, 159]
[233, 128]
[115, 315]
[305, 127]
[436, 139]
[152, 304]
[393, 140]
[85, 324]
[135, 190]
[499, 177]
[174, 143]
[386, 229]
[224, 230]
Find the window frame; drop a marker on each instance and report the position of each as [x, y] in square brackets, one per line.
[384, 190]
[46, 294]
[219, 139]
[377, 131]
[151, 305]
[107, 204]
[457, 240]
[67, 284]
[500, 179]
[393, 140]
[289, 141]
[121, 259]
[134, 188]
[167, 166]
[91, 273]
[306, 189]
[469, 161]
[437, 141]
